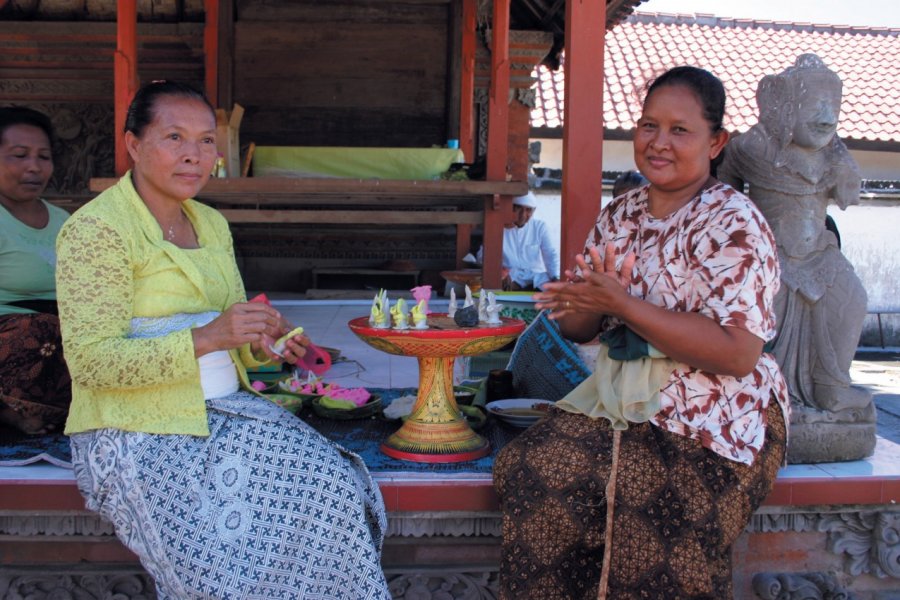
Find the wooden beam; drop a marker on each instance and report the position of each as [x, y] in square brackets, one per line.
[498, 209]
[211, 51]
[369, 217]
[583, 124]
[299, 187]
[125, 75]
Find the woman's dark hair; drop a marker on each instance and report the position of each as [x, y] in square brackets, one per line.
[21, 115]
[706, 86]
[627, 181]
[142, 107]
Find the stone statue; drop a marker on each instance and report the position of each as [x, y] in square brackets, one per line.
[795, 166]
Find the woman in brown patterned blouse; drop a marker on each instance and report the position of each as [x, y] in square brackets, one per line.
[683, 421]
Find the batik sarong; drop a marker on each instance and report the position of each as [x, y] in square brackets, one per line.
[35, 387]
[678, 509]
[265, 507]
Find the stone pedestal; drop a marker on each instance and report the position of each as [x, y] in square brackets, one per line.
[818, 436]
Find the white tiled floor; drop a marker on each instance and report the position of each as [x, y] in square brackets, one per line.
[326, 321]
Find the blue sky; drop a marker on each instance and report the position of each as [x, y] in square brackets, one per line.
[872, 13]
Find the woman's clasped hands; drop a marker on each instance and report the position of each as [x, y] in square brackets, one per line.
[251, 323]
[594, 286]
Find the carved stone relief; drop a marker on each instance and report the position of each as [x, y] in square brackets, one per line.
[480, 585]
[798, 586]
[40, 585]
[869, 541]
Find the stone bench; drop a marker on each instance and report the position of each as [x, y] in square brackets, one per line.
[830, 526]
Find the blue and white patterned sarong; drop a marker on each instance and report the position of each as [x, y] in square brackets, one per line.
[265, 507]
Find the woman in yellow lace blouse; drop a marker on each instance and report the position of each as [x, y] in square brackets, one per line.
[219, 491]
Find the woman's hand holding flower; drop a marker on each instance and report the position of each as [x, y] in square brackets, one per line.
[247, 323]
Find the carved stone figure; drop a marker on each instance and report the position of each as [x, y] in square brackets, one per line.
[795, 166]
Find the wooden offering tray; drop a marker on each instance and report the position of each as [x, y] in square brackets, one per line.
[436, 431]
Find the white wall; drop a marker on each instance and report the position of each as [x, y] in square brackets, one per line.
[869, 233]
[617, 156]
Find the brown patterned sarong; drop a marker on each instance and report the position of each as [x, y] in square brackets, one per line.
[679, 507]
[35, 387]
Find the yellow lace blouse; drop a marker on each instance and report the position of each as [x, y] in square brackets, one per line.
[113, 265]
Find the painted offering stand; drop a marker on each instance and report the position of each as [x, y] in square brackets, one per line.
[435, 431]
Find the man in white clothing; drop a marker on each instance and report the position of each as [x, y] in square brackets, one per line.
[529, 258]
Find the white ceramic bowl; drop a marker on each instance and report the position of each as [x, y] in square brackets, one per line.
[520, 412]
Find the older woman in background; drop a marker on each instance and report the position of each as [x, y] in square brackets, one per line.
[35, 388]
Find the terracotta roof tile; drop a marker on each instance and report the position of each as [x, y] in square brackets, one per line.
[741, 52]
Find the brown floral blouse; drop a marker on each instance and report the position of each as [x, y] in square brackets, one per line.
[714, 256]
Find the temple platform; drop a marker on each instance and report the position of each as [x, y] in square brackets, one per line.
[825, 530]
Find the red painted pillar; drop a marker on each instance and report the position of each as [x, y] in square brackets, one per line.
[125, 75]
[498, 209]
[466, 110]
[211, 50]
[467, 85]
[583, 124]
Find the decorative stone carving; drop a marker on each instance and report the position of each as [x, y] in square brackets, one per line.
[870, 540]
[43, 586]
[775, 523]
[444, 586]
[528, 97]
[428, 526]
[798, 586]
[795, 166]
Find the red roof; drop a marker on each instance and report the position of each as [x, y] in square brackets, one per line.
[741, 52]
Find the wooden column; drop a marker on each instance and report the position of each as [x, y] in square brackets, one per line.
[582, 182]
[498, 209]
[467, 84]
[125, 75]
[211, 51]
[466, 109]
[225, 48]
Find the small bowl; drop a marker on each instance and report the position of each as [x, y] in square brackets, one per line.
[368, 409]
[289, 402]
[464, 397]
[519, 412]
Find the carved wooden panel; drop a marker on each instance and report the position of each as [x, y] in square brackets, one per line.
[320, 74]
[65, 69]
